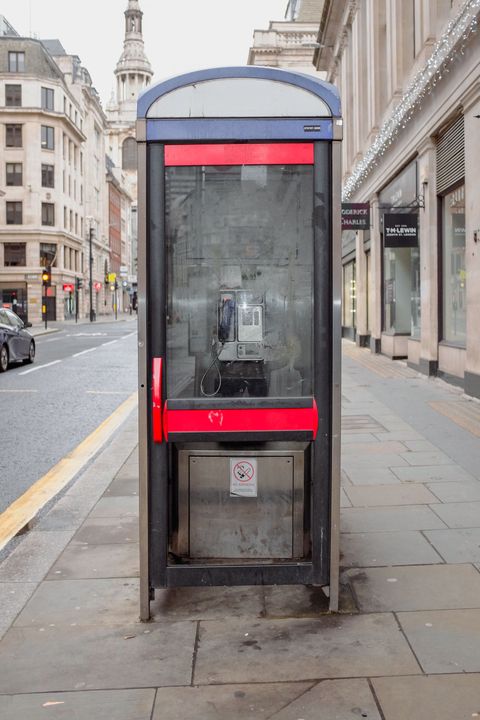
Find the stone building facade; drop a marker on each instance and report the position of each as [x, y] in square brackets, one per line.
[409, 77]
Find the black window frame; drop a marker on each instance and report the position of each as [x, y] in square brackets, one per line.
[16, 61]
[48, 214]
[46, 136]
[16, 130]
[13, 209]
[14, 99]
[8, 263]
[48, 175]
[15, 174]
[48, 98]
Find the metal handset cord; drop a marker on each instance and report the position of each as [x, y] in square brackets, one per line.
[216, 355]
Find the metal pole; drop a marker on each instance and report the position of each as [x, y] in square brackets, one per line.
[90, 282]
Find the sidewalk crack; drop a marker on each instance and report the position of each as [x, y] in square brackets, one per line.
[195, 651]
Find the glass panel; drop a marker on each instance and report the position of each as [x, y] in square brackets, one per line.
[415, 292]
[240, 281]
[453, 272]
[349, 309]
[401, 290]
[369, 291]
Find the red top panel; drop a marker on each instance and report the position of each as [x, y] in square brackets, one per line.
[240, 154]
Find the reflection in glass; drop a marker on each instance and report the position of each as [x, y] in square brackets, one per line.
[239, 281]
[453, 272]
[349, 295]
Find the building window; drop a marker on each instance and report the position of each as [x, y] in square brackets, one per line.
[14, 213]
[48, 138]
[454, 277]
[13, 95]
[14, 173]
[48, 255]
[16, 62]
[15, 254]
[48, 176]
[48, 99]
[48, 214]
[13, 135]
[65, 217]
[349, 295]
[129, 154]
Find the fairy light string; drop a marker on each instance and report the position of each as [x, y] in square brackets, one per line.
[451, 44]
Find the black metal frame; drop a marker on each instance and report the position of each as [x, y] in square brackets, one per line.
[160, 466]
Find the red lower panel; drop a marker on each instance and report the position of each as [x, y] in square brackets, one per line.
[243, 420]
[157, 399]
[240, 154]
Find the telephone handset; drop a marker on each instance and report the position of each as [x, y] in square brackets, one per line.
[226, 318]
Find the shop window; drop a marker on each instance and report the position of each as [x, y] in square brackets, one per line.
[48, 176]
[48, 99]
[14, 174]
[349, 295]
[16, 62]
[48, 255]
[14, 213]
[402, 291]
[13, 135]
[13, 95]
[48, 138]
[48, 214]
[454, 277]
[15, 254]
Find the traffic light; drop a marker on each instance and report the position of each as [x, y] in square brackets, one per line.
[47, 277]
[107, 279]
[78, 283]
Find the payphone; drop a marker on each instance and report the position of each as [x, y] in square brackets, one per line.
[239, 330]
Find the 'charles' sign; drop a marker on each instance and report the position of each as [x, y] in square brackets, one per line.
[355, 216]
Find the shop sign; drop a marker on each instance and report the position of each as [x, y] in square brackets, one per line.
[68, 287]
[97, 286]
[355, 216]
[32, 276]
[400, 230]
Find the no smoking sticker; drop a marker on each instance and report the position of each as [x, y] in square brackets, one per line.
[243, 477]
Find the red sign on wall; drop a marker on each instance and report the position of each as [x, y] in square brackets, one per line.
[68, 287]
[97, 286]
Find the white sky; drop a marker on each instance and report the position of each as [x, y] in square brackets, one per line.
[180, 35]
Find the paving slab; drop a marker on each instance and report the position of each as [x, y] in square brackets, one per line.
[437, 697]
[99, 531]
[386, 548]
[71, 603]
[448, 492]
[349, 437]
[344, 500]
[429, 587]
[400, 435]
[423, 459]
[297, 649]
[338, 699]
[459, 515]
[456, 546]
[34, 555]
[385, 495]
[303, 601]
[371, 476]
[433, 473]
[67, 514]
[378, 448]
[89, 705]
[375, 461]
[96, 561]
[444, 641]
[90, 658]
[122, 486]
[389, 519]
[116, 507]
[197, 603]
[13, 597]
[226, 702]
[420, 446]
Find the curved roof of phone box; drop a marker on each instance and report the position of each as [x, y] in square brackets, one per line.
[321, 89]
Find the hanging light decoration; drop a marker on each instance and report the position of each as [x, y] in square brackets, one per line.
[449, 47]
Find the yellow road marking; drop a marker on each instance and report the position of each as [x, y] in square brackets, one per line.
[465, 415]
[23, 510]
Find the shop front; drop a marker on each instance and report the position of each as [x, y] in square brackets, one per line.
[399, 231]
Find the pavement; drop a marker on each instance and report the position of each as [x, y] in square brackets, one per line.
[404, 646]
[54, 326]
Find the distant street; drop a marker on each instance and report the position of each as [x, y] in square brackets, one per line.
[80, 375]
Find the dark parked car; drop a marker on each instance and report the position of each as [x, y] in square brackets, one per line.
[16, 343]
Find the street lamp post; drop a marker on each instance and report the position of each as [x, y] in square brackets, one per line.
[90, 265]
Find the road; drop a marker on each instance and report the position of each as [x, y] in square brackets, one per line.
[80, 376]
